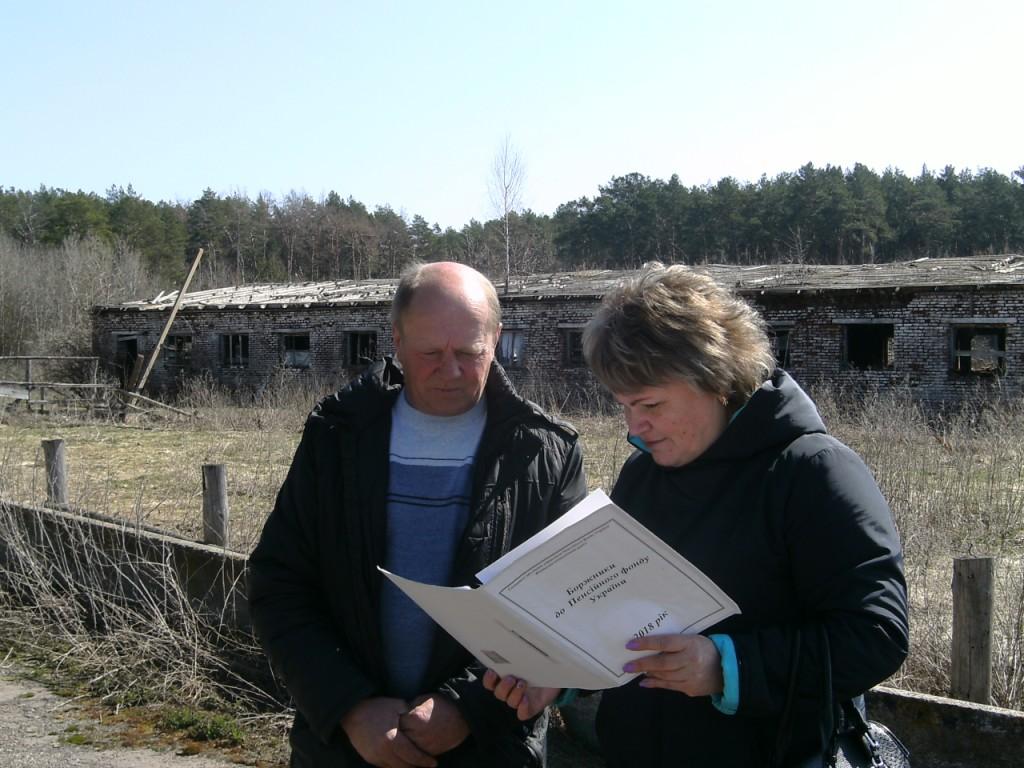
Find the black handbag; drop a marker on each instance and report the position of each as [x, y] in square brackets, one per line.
[864, 743]
[852, 740]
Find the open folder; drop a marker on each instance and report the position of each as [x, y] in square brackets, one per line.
[558, 609]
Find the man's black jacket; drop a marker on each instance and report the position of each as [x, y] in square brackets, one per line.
[314, 588]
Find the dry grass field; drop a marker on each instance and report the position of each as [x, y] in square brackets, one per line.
[955, 482]
[150, 471]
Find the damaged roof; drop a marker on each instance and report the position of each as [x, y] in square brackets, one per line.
[951, 272]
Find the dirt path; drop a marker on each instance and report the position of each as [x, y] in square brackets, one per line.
[39, 729]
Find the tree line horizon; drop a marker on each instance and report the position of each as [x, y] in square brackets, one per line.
[815, 215]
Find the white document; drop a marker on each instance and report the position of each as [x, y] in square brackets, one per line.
[558, 609]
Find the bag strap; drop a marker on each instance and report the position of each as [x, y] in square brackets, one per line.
[828, 735]
[854, 718]
[786, 720]
[829, 728]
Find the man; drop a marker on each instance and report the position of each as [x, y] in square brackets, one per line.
[433, 470]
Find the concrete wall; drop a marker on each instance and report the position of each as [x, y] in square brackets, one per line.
[946, 733]
[94, 549]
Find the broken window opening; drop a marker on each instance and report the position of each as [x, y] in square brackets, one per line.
[573, 346]
[779, 339]
[869, 346]
[979, 350]
[512, 348]
[178, 350]
[234, 350]
[296, 350]
[362, 347]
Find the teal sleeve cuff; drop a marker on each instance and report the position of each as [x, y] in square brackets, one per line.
[728, 701]
[566, 697]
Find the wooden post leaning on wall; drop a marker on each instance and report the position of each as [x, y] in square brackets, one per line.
[971, 673]
[56, 473]
[215, 505]
[140, 382]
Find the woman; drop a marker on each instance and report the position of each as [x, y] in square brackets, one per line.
[735, 470]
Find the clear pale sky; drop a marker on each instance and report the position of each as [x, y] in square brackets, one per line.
[406, 104]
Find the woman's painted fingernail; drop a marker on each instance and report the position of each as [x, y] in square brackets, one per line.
[629, 666]
[633, 645]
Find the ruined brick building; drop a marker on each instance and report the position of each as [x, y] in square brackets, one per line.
[941, 327]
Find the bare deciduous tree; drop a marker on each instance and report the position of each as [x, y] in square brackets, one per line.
[508, 175]
[48, 291]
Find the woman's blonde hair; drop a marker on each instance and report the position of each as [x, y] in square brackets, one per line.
[672, 323]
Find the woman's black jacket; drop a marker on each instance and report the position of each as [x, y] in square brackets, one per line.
[791, 524]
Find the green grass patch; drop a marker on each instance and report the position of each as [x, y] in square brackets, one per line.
[202, 726]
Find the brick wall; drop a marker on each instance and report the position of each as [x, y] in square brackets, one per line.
[546, 365]
[922, 328]
[817, 323]
[329, 329]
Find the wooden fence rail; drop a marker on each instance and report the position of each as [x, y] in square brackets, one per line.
[33, 391]
[105, 397]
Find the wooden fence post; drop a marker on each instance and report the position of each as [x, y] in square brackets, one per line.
[28, 385]
[971, 674]
[215, 505]
[95, 381]
[56, 472]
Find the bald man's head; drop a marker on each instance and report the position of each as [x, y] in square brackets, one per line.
[445, 325]
[447, 281]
